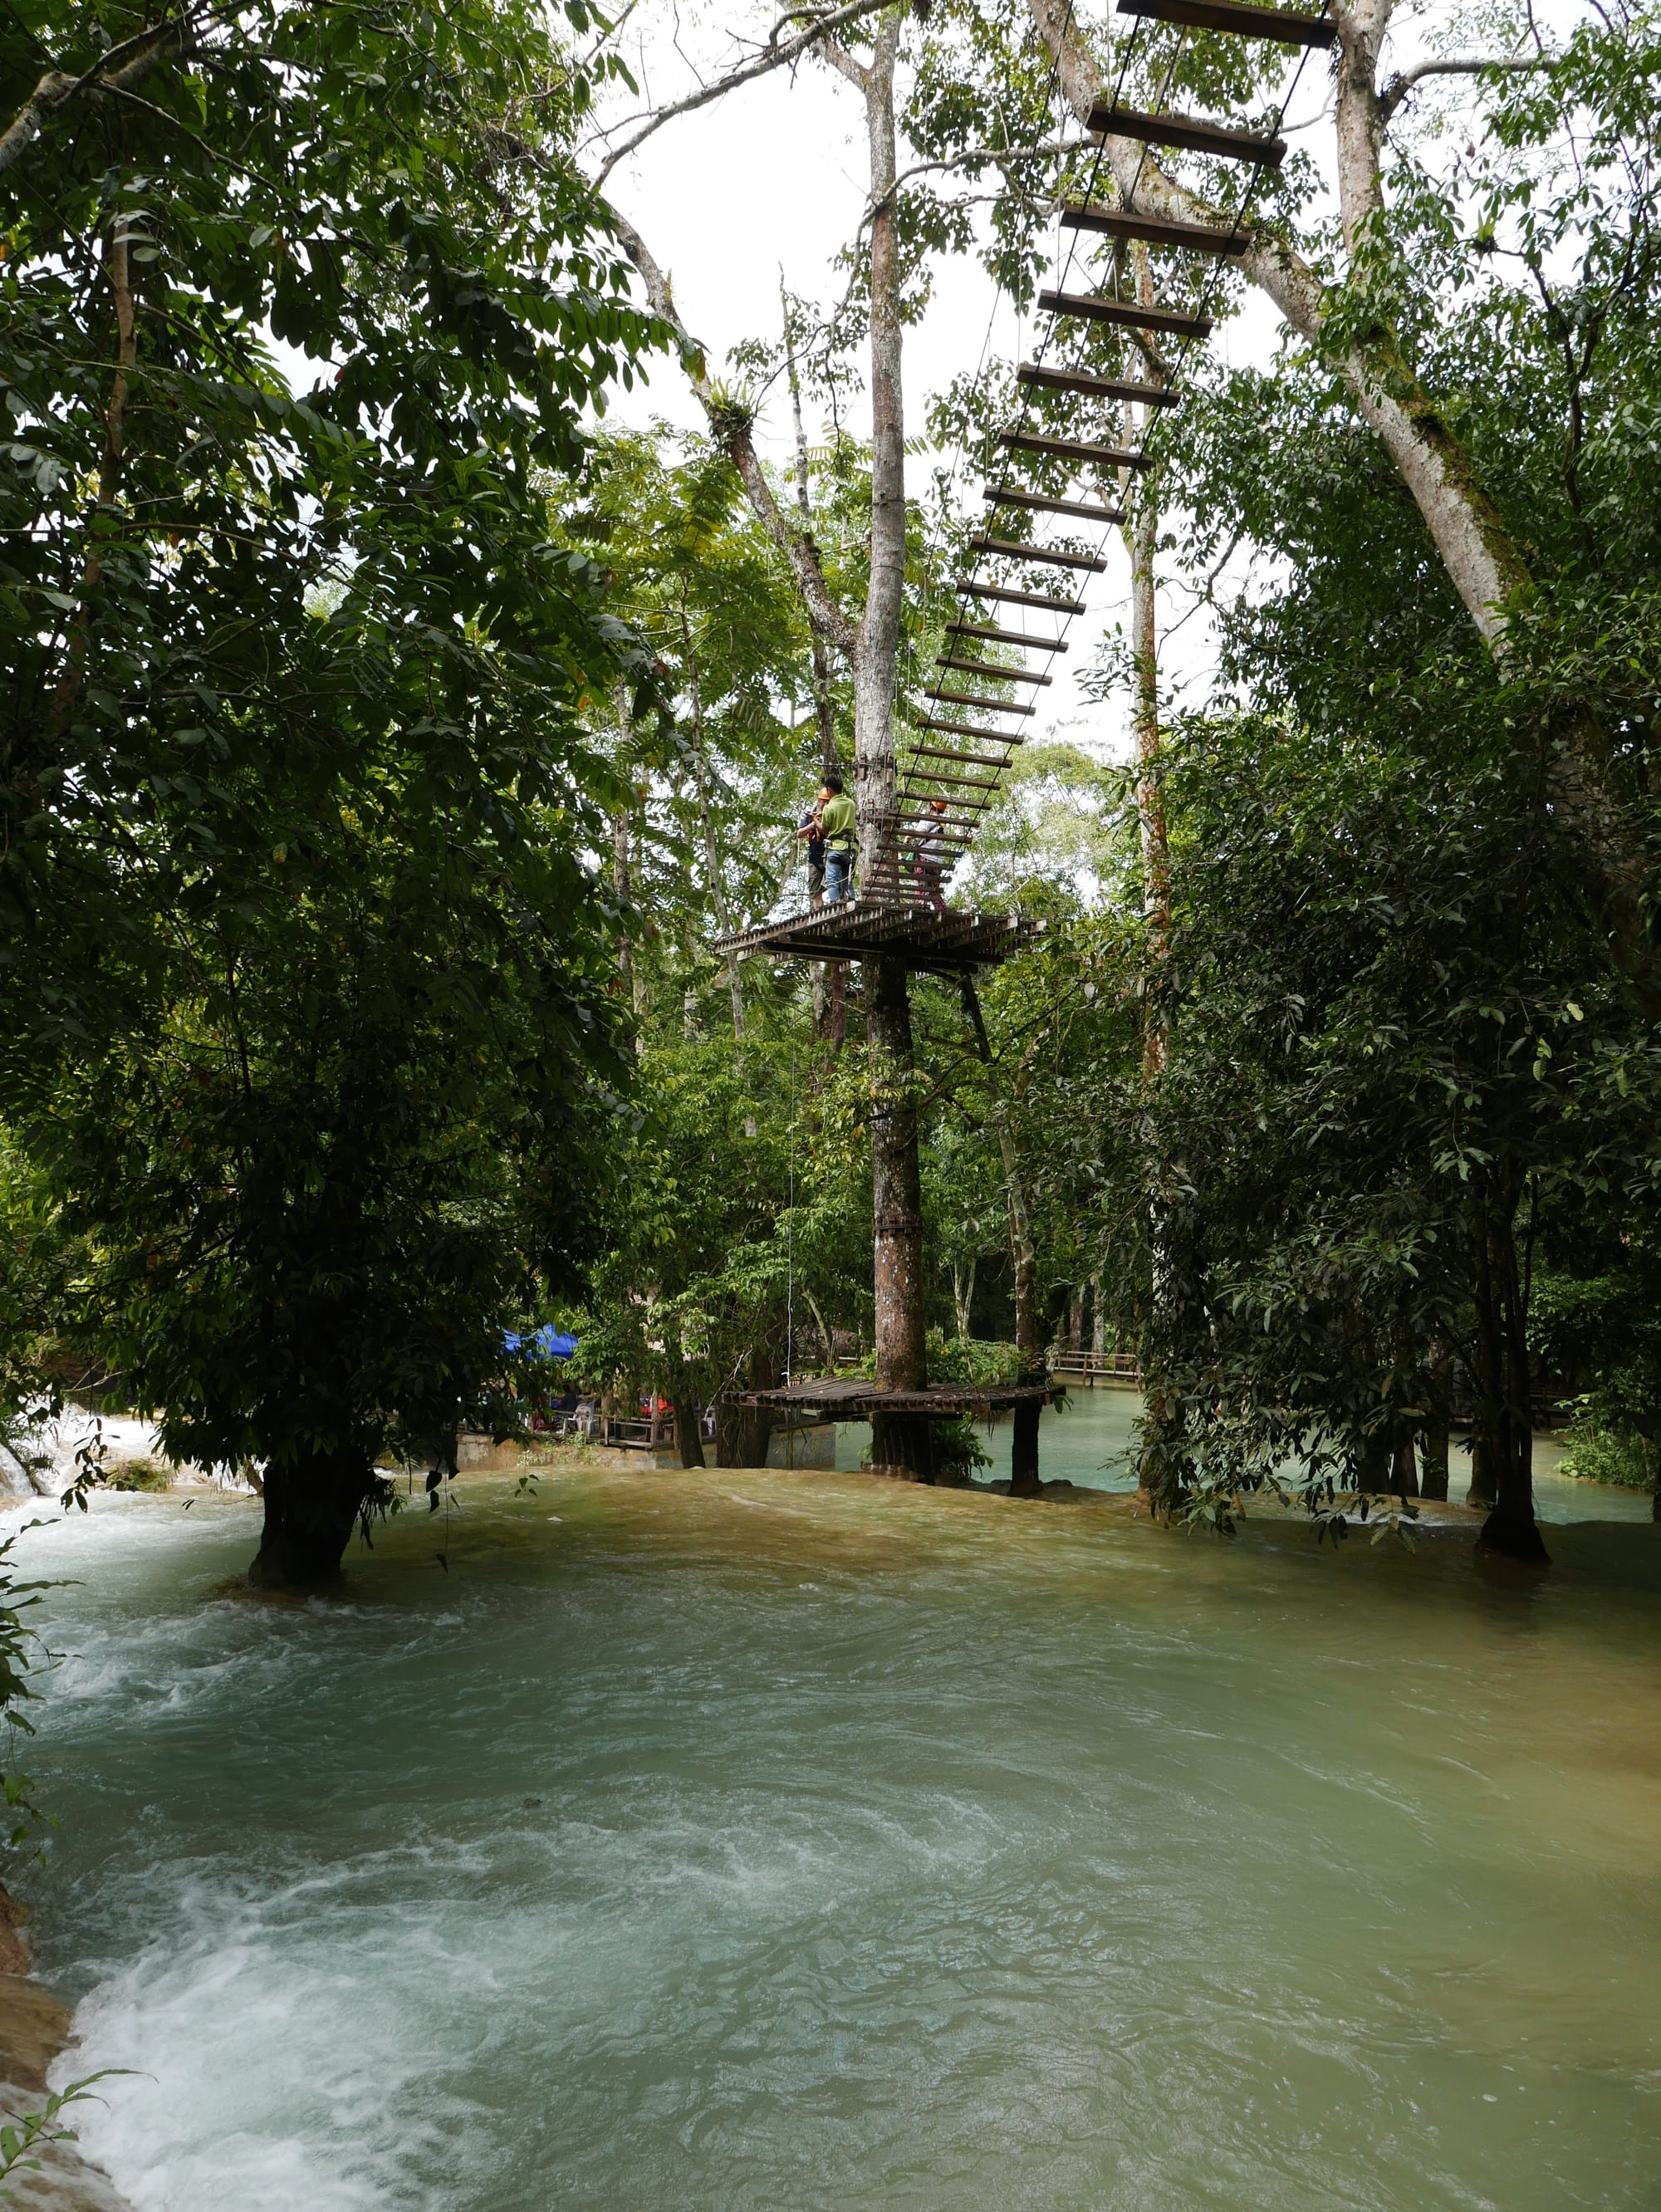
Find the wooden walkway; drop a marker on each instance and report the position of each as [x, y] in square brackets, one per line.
[855, 1398]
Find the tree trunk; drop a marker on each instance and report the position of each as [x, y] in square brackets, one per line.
[1404, 1473]
[875, 782]
[836, 1019]
[1504, 1428]
[1434, 1437]
[1024, 1479]
[689, 1430]
[823, 713]
[311, 1506]
[716, 880]
[963, 1293]
[901, 1442]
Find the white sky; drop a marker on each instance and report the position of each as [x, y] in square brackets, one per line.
[774, 175]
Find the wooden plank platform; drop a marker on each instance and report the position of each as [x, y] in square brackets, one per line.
[854, 929]
[854, 1398]
[1246, 22]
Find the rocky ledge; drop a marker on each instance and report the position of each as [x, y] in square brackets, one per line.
[34, 2027]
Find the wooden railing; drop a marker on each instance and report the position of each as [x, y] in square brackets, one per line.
[1091, 1367]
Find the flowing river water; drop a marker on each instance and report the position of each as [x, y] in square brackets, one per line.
[756, 1843]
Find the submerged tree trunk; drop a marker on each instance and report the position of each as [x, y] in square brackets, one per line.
[1434, 1437]
[689, 1430]
[311, 1506]
[1404, 1474]
[1024, 1480]
[1503, 1437]
[899, 1442]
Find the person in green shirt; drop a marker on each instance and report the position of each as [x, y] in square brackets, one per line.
[837, 824]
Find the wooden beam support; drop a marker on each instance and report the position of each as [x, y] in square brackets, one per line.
[970, 589]
[1095, 387]
[992, 668]
[1093, 308]
[1005, 636]
[1082, 510]
[1014, 550]
[1077, 450]
[1155, 229]
[1244, 23]
[986, 706]
[1195, 134]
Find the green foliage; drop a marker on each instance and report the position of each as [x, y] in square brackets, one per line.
[29, 2133]
[1598, 1454]
[296, 902]
[20, 1647]
[140, 1474]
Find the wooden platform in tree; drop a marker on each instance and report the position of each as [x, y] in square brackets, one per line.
[856, 929]
[854, 1398]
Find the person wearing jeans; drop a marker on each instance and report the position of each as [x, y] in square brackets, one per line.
[836, 824]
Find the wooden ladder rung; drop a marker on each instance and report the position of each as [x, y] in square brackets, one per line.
[1006, 637]
[986, 706]
[943, 752]
[1074, 449]
[991, 668]
[1082, 509]
[915, 776]
[1012, 549]
[1155, 229]
[1094, 307]
[970, 589]
[968, 729]
[1095, 387]
[1244, 23]
[1196, 134]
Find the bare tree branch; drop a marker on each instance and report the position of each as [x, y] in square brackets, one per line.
[111, 72]
[1456, 65]
[776, 57]
[731, 429]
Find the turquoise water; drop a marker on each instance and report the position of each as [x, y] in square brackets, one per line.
[779, 1842]
[1090, 1439]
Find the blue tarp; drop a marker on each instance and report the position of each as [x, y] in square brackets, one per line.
[552, 1343]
